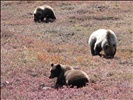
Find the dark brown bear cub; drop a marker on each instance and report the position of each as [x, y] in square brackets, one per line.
[66, 75]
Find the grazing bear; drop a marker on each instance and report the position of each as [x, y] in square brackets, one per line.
[42, 12]
[66, 75]
[105, 40]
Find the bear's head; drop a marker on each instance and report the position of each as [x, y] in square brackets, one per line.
[109, 50]
[37, 17]
[110, 44]
[55, 70]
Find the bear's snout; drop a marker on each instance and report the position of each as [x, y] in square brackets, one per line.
[109, 56]
[51, 76]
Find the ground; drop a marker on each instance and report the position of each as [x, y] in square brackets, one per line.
[28, 49]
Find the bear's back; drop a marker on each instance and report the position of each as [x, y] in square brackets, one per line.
[66, 68]
[76, 78]
[43, 8]
[103, 35]
[99, 34]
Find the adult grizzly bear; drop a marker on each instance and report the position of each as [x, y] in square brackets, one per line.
[105, 40]
[66, 75]
[42, 12]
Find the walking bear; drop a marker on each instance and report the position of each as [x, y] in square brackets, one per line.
[42, 12]
[105, 40]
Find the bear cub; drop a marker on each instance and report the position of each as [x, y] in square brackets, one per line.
[105, 40]
[66, 75]
[42, 12]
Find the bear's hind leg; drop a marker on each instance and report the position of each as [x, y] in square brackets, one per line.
[52, 16]
[92, 44]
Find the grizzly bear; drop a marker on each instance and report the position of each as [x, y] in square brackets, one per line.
[105, 40]
[42, 12]
[66, 75]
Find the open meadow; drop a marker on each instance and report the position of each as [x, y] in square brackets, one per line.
[28, 49]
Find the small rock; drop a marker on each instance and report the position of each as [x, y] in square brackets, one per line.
[42, 85]
[34, 74]
[109, 74]
[7, 83]
[46, 88]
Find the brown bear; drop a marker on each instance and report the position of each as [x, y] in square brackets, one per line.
[42, 12]
[105, 40]
[66, 75]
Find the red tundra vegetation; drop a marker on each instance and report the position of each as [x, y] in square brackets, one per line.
[28, 49]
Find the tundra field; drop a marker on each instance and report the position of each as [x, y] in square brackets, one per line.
[28, 49]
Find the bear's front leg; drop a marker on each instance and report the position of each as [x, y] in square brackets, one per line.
[60, 82]
[57, 86]
[97, 50]
[42, 19]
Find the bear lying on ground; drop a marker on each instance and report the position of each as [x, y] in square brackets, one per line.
[42, 12]
[105, 40]
[66, 75]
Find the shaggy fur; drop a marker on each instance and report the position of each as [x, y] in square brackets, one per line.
[66, 75]
[105, 40]
[42, 12]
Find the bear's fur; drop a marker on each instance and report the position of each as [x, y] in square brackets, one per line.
[66, 75]
[105, 40]
[42, 12]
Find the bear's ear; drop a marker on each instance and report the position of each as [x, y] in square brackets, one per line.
[58, 66]
[52, 65]
[35, 15]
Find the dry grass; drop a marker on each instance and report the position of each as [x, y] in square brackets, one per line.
[28, 48]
